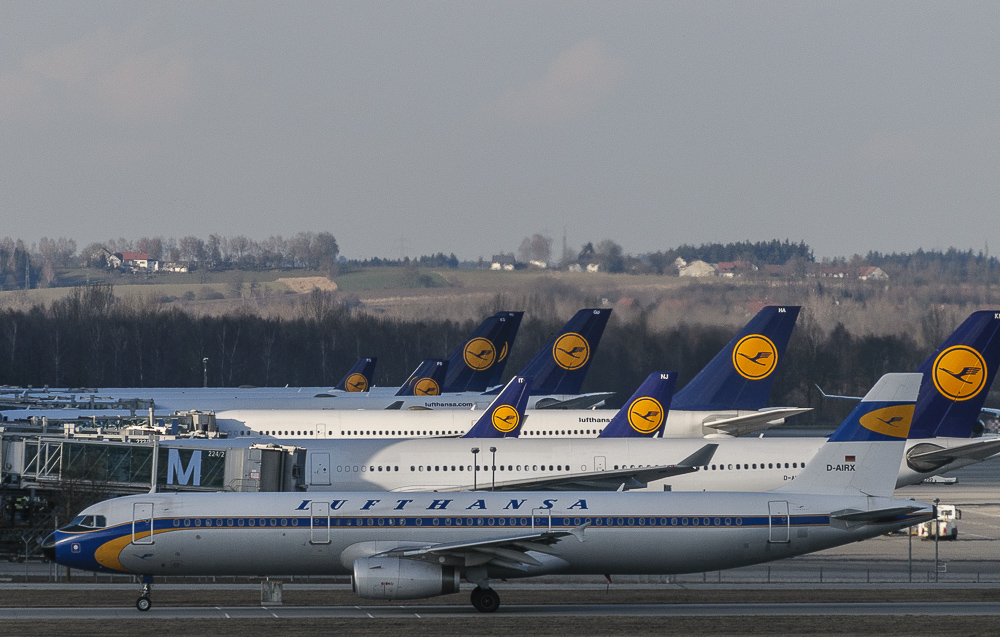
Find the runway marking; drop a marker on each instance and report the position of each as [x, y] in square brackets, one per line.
[275, 615]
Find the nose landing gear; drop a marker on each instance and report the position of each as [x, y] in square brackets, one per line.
[144, 603]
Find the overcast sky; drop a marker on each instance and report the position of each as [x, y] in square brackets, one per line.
[466, 126]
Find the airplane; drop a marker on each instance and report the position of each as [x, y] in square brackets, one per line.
[359, 377]
[419, 545]
[940, 441]
[479, 363]
[505, 415]
[502, 327]
[722, 400]
[426, 379]
[559, 380]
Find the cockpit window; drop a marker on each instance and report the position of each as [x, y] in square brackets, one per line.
[91, 521]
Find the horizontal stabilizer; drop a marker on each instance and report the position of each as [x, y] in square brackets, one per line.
[979, 450]
[853, 517]
[583, 401]
[757, 421]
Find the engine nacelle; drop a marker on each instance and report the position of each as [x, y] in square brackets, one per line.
[396, 578]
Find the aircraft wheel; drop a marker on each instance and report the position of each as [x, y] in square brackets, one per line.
[143, 603]
[486, 600]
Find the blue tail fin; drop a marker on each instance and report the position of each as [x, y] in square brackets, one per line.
[505, 415]
[864, 453]
[513, 321]
[645, 413]
[742, 374]
[426, 379]
[560, 367]
[359, 377]
[472, 366]
[957, 378]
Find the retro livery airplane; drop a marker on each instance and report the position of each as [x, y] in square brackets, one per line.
[940, 440]
[728, 397]
[418, 545]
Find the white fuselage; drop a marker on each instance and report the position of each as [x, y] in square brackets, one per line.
[342, 424]
[739, 464]
[307, 534]
[171, 399]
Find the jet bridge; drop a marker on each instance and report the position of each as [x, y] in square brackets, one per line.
[118, 467]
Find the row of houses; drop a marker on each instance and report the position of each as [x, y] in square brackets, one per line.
[140, 262]
[730, 269]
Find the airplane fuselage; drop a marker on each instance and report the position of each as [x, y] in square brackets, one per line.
[311, 534]
[739, 464]
[326, 424]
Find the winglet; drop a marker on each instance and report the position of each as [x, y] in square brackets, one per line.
[742, 374]
[505, 415]
[482, 357]
[426, 379]
[864, 453]
[645, 413]
[359, 377]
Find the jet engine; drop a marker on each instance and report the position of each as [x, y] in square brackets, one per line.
[395, 578]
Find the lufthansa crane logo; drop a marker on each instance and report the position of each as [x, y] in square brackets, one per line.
[505, 419]
[755, 357]
[426, 387]
[571, 351]
[479, 354]
[890, 421]
[959, 372]
[645, 415]
[356, 382]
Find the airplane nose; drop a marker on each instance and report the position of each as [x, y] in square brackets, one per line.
[49, 547]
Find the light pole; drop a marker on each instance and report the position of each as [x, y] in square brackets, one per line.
[937, 537]
[475, 467]
[204, 372]
[493, 450]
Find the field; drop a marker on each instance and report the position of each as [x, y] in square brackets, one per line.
[927, 312]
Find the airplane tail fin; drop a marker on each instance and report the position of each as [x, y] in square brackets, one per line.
[426, 379]
[473, 365]
[505, 415]
[560, 367]
[644, 414]
[359, 377]
[742, 374]
[513, 321]
[957, 379]
[863, 455]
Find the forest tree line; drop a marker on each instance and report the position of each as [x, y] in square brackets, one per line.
[93, 339]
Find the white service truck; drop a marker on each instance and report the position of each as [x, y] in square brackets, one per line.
[945, 526]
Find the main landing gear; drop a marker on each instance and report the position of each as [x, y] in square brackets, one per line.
[486, 600]
[144, 603]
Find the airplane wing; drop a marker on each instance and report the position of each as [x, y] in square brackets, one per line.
[757, 421]
[583, 401]
[979, 450]
[612, 480]
[509, 551]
